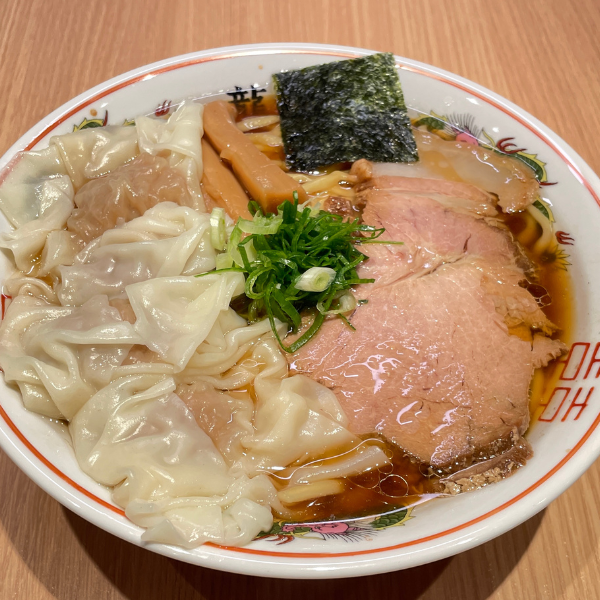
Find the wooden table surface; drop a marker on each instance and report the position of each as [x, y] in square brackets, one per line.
[543, 55]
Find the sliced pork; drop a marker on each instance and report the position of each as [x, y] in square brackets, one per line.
[443, 353]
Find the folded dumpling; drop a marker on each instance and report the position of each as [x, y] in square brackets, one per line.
[37, 198]
[54, 198]
[174, 315]
[168, 240]
[125, 194]
[60, 249]
[219, 358]
[60, 356]
[22, 285]
[178, 140]
[23, 193]
[174, 400]
[177, 137]
[93, 152]
[139, 437]
[296, 419]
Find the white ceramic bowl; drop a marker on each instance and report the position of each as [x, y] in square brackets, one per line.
[565, 440]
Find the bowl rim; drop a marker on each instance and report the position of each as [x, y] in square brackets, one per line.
[240, 560]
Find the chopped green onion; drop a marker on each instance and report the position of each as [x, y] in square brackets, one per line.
[232, 246]
[226, 270]
[384, 242]
[316, 279]
[217, 229]
[260, 225]
[315, 209]
[248, 247]
[346, 303]
[298, 259]
[223, 261]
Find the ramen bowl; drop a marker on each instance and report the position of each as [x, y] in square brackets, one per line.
[564, 432]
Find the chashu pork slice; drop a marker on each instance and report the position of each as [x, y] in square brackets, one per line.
[443, 353]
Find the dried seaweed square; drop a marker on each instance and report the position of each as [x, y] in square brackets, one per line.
[343, 111]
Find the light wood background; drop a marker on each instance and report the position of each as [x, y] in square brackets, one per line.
[543, 55]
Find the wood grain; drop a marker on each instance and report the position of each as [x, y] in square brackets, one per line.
[541, 54]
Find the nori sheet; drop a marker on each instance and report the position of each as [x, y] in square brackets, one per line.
[343, 111]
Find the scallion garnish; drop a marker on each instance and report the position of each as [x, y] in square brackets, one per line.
[346, 303]
[218, 236]
[316, 279]
[295, 260]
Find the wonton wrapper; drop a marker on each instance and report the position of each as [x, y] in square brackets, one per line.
[296, 419]
[22, 193]
[60, 356]
[178, 140]
[37, 198]
[174, 315]
[125, 194]
[168, 240]
[225, 417]
[21, 285]
[216, 360]
[60, 250]
[138, 436]
[96, 151]
[55, 206]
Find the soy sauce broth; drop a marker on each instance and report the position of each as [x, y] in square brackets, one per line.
[553, 275]
[403, 483]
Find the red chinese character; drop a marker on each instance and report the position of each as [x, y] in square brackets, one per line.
[564, 238]
[163, 109]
